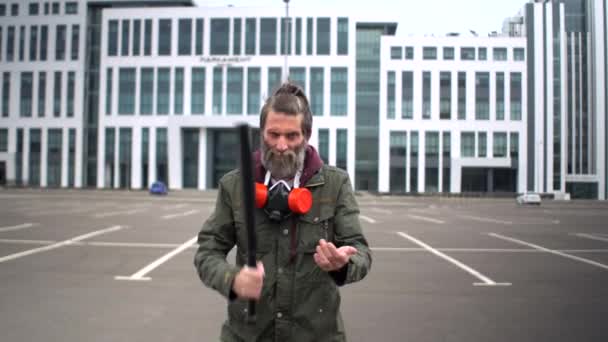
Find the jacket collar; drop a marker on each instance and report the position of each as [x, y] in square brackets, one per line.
[312, 165]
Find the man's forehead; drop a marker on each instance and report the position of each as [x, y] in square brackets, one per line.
[283, 118]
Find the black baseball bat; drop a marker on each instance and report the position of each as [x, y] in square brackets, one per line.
[248, 204]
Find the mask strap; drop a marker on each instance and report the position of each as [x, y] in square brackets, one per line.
[267, 178]
[296, 180]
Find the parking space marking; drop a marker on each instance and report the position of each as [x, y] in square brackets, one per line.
[382, 211]
[140, 275]
[17, 227]
[368, 219]
[552, 251]
[116, 213]
[485, 219]
[592, 237]
[60, 244]
[28, 242]
[187, 213]
[427, 219]
[175, 206]
[485, 281]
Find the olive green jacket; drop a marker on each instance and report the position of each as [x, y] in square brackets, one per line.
[299, 301]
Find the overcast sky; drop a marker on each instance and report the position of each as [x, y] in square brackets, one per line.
[416, 16]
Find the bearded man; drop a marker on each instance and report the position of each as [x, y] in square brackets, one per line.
[304, 254]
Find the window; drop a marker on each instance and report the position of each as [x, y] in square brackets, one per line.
[2, 10]
[126, 91]
[516, 96]
[342, 36]
[482, 53]
[162, 91]
[200, 34]
[25, 96]
[448, 53]
[317, 77]
[341, 148]
[164, 37]
[126, 33]
[426, 94]
[398, 152]
[482, 139]
[217, 90]
[298, 36]
[274, 79]
[113, 38]
[236, 37]
[198, 91]
[390, 95]
[414, 161]
[109, 82]
[41, 93]
[22, 43]
[10, 43]
[431, 172]
[500, 144]
[467, 144]
[146, 97]
[3, 139]
[185, 37]
[285, 36]
[429, 53]
[323, 36]
[324, 145]
[178, 98]
[500, 96]
[407, 94]
[462, 95]
[54, 157]
[467, 53]
[74, 45]
[234, 89]
[55, 8]
[33, 42]
[482, 96]
[6, 93]
[309, 35]
[14, 10]
[446, 161]
[518, 54]
[500, 54]
[33, 8]
[57, 94]
[514, 145]
[268, 36]
[148, 37]
[339, 90]
[396, 52]
[445, 95]
[250, 34]
[71, 88]
[253, 90]
[43, 41]
[71, 7]
[409, 52]
[136, 37]
[46, 8]
[298, 76]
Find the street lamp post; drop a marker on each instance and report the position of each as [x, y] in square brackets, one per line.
[286, 41]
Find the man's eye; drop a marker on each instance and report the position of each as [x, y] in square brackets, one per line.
[274, 135]
[292, 136]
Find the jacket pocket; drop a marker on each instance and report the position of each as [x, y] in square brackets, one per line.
[314, 226]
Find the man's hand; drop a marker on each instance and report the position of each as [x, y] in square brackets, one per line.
[248, 282]
[330, 258]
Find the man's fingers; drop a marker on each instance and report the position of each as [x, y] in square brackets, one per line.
[260, 268]
[348, 250]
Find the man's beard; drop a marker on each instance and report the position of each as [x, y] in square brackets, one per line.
[283, 165]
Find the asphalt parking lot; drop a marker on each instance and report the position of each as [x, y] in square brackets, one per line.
[117, 266]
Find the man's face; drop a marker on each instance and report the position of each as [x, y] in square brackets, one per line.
[283, 144]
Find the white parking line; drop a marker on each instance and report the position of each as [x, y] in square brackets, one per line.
[60, 244]
[485, 219]
[17, 227]
[485, 280]
[191, 212]
[368, 219]
[139, 275]
[175, 206]
[382, 211]
[592, 237]
[116, 213]
[565, 255]
[427, 219]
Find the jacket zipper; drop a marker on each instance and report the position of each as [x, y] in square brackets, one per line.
[325, 228]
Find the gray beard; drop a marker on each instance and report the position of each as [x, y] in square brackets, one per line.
[284, 165]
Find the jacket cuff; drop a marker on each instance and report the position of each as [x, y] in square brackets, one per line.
[339, 276]
[228, 281]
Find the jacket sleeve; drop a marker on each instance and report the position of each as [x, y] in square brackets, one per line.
[348, 233]
[215, 240]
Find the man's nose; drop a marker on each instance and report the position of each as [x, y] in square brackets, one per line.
[281, 144]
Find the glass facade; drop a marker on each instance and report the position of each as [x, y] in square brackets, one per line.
[431, 165]
[467, 144]
[145, 156]
[124, 157]
[178, 90]
[250, 36]
[446, 162]
[323, 36]
[164, 37]
[110, 134]
[190, 153]
[41, 94]
[234, 96]
[197, 96]
[414, 161]
[298, 76]
[407, 94]
[57, 94]
[254, 91]
[163, 85]
[500, 145]
[218, 98]
[342, 148]
[6, 93]
[71, 89]
[268, 36]
[33, 42]
[286, 33]
[426, 94]
[199, 37]
[184, 46]
[237, 24]
[162, 158]
[25, 94]
[126, 33]
[146, 99]
[516, 96]
[342, 36]
[148, 37]
[126, 91]
[482, 144]
[397, 162]
[71, 157]
[500, 96]
[429, 53]
[274, 80]
[35, 156]
[462, 95]
[60, 37]
[136, 37]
